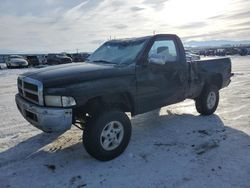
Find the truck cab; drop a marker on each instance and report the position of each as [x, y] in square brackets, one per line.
[162, 73]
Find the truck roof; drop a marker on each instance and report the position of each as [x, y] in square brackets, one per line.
[141, 38]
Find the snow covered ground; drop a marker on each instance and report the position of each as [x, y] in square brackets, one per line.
[173, 147]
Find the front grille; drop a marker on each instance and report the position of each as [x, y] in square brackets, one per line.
[20, 83]
[33, 97]
[30, 89]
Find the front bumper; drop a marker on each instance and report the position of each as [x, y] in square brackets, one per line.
[46, 119]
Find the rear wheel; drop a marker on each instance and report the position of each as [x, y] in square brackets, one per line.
[207, 102]
[107, 135]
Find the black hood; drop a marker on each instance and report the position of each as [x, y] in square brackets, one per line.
[60, 75]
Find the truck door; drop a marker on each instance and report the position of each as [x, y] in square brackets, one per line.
[163, 79]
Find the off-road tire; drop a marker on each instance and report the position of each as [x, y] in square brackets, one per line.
[201, 102]
[93, 131]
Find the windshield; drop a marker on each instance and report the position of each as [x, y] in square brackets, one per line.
[118, 52]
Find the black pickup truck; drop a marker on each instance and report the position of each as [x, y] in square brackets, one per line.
[131, 75]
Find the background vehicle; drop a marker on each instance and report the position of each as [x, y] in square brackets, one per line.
[56, 59]
[191, 56]
[32, 60]
[132, 75]
[79, 57]
[16, 61]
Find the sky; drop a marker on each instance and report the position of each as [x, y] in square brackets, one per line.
[28, 26]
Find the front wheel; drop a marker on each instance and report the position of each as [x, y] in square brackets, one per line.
[107, 135]
[207, 102]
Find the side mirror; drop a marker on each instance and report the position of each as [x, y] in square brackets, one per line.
[156, 59]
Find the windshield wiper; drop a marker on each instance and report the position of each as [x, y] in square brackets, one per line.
[103, 61]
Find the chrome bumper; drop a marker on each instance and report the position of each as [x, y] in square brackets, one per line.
[46, 119]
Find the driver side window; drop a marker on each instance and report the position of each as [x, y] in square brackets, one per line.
[162, 52]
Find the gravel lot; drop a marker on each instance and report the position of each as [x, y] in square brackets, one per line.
[171, 147]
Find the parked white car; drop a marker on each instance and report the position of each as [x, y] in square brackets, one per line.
[16, 61]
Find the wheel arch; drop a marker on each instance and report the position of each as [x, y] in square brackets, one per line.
[123, 101]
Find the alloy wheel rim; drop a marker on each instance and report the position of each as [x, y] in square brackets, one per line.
[112, 135]
[211, 100]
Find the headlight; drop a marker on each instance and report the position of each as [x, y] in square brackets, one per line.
[59, 101]
[68, 101]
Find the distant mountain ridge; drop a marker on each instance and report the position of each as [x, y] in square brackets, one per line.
[213, 43]
[7, 51]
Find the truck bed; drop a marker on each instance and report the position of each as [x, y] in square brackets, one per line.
[220, 66]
